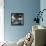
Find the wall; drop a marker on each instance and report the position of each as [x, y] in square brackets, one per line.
[43, 6]
[28, 7]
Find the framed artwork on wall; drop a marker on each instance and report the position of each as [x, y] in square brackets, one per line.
[17, 18]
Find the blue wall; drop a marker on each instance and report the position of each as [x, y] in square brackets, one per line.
[28, 7]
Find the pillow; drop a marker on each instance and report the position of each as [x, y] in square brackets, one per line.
[28, 40]
[21, 42]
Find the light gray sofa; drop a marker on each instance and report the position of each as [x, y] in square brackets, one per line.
[39, 37]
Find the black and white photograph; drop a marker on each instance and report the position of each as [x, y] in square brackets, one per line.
[17, 18]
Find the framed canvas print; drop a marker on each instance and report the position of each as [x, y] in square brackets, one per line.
[17, 18]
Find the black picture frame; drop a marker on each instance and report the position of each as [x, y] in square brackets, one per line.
[17, 18]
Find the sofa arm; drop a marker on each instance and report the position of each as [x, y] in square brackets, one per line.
[39, 37]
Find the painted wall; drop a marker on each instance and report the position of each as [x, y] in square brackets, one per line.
[29, 8]
[43, 6]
